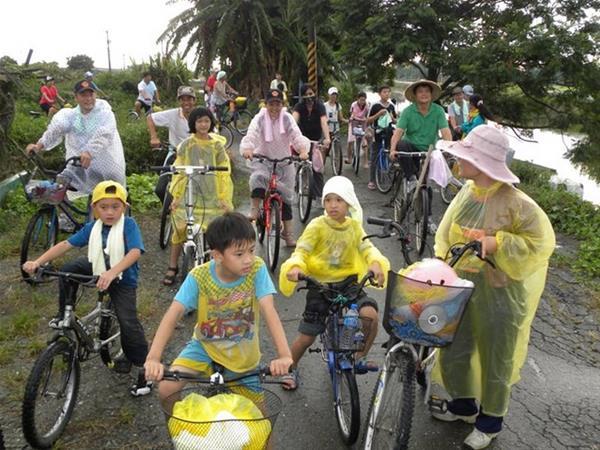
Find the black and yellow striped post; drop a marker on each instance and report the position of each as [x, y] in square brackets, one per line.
[311, 60]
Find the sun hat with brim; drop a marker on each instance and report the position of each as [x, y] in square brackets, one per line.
[436, 91]
[485, 147]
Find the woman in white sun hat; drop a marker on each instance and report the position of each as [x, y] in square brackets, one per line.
[484, 361]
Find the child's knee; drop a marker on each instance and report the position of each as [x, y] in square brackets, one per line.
[369, 312]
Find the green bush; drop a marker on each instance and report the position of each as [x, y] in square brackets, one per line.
[141, 192]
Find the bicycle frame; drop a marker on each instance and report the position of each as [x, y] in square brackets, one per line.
[271, 195]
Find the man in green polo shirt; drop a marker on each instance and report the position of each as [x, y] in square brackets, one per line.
[419, 124]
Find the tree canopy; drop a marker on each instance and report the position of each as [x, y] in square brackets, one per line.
[80, 62]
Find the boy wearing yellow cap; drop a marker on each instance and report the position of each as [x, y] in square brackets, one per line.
[114, 244]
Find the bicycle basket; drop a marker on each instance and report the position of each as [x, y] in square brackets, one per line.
[241, 102]
[46, 192]
[424, 313]
[223, 417]
[336, 337]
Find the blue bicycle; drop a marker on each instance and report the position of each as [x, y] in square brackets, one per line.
[338, 352]
[385, 170]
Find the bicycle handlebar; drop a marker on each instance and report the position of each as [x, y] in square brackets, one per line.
[274, 160]
[201, 169]
[86, 280]
[389, 226]
[369, 276]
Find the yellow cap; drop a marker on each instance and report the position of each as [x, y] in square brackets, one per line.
[109, 189]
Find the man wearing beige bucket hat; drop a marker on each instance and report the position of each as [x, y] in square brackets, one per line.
[490, 347]
[419, 125]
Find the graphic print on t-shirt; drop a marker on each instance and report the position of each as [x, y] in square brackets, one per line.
[230, 318]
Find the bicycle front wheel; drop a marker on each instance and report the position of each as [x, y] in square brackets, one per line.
[392, 405]
[273, 236]
[356, 154]
[419, 222]
[110, 329]
[337, 158]
[384, 173]
[41, 234]
[304, 179]
[347, 405]
[226, 132]
[166, 226]
[50, 394]
[241, 121]
[189, 257]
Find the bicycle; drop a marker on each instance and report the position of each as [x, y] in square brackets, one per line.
[303, 188]
[224, 430]
[53, 383]
[357, 128]
[133, 115]
[455, 183]
[384, 171]
[42, 230]
[269, 220]
[411, 200]
[336, 154]
[166, 228]
[195, 249]
[338, 354]
[441, 308]
[232, 117]
[392, 228]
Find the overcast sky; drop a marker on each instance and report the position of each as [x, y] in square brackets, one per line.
[58, 29]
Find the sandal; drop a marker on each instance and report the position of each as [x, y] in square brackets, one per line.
[169, 280]
[371, 186]
[363, 366]
[290, 381]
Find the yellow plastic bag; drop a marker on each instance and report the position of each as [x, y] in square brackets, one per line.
[198, 422]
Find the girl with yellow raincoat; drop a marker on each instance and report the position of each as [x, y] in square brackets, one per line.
[331, 250]
[213, 192]
[480, 366]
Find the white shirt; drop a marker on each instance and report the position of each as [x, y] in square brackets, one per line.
[333, 112]
[95, 132]
[146, 92]
[174, 120]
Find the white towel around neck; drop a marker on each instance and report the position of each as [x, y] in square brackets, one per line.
[115, 246]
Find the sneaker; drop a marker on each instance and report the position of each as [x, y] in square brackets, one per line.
[121, 365]
[55, 322]
[431, 227]
[411, 184]
[478, 439]
[451, 417]
[371, 186]
[141, 388]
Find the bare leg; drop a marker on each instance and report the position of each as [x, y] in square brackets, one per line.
[371, 332]
[288, 233]
[254, 208]
[299, 346]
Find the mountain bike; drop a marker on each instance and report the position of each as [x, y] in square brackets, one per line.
[53, 383]
[455, 183]
[384, 171]
[412, 200]
[419, 317]
[339, 354]
[224, 430]
[195, 249]
[42, 230]
[336, 154]
[233, 117]
[269, 221]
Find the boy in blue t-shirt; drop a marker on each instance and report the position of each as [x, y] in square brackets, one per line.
[231, 293]
[114, 246]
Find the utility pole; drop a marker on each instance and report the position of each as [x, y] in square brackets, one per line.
[108, 51]
[312, 55]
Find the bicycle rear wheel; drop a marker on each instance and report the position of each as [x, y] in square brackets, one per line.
[356, 154]
[384, 172]
[304, 179]
[347, 405]
[41, 234]
[241, 121]
[419, 220]
[166, 226]
[109, 328]
[50, 394]
[273, 235]
[392, 404]
[337, 157]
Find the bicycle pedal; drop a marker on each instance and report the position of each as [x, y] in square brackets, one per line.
[437, 404]
[314, 350]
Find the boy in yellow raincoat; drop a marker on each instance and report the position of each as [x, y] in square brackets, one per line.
[331, 250]
[490, 346]
[213, 192]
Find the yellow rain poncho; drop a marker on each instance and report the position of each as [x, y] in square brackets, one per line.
[330, 251]
[213, 192]
[490, 346]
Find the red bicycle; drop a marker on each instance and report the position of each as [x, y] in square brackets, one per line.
[269, 218]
